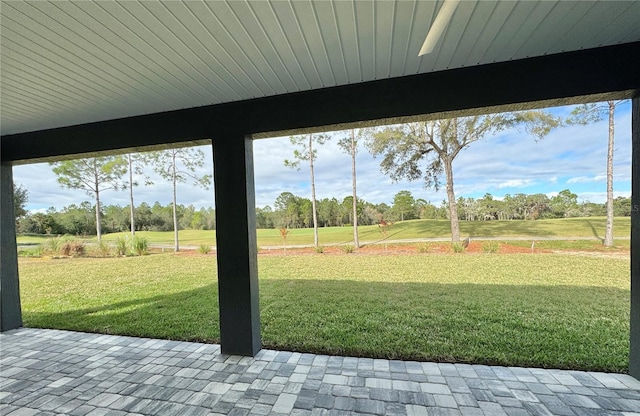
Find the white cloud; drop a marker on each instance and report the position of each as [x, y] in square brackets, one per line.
[515, 183]
[585, 179]
[600, 197]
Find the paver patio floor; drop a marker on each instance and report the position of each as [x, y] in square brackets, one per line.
[49, 372]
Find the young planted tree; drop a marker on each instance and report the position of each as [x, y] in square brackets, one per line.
[92, 175]
[350, 145]
[308, 153]
[439, 142]
[179, 166]
[591, 113]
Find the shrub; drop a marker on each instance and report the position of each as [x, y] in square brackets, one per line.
[139, 245]
[53, 245]
[423, 248]
[204, 248]
[490, 247]
[457, 247]
[319, 249]
[73, 248]
[121, 246]
[102, 249]
[348, 248]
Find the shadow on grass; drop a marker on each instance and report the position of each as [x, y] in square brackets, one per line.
[567, 327]
[187, 316]
[442, 228]
[594, 231]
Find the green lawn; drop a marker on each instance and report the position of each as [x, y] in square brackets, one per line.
[542, 310]
[592, 227]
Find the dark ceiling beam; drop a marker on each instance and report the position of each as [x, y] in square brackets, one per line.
[553, 79]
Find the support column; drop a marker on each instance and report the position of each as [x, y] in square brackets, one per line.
[634, 337]
[10, 312]
[237, 250]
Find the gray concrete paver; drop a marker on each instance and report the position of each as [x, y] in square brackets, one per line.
[51, 372]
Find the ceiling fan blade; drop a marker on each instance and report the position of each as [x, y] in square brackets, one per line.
[439, 24]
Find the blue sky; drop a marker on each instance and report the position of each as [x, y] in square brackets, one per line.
[512, 162]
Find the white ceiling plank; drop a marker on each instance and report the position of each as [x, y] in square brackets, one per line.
[74, 77]
[425, 14]
[218, 73]
[385, 16]
[99, 46]
[519, 25]
[290, 26]
[348, 32]
[30, 79]
[366, 38]
[29, 63]
[527, 22]
[179, 39]
[64, 105]
[233, 38]
[148, 40]
[472, 35]
[625, 22]
[206, 28]
[51, 41]
[552, 30]
[277, 39]
[27, 101]
[25, 59]
[582, 26]
[453, 34]
[491, 30]
[327, 24]
[279, 77]
[404, 26]
[307, 21]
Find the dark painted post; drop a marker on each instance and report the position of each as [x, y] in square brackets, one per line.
[10, 312]
[634, 350]
[236, 246]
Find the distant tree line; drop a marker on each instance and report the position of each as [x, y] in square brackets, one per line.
[81, 220]
[292, 211]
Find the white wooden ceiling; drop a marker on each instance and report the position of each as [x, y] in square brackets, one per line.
[72, 62]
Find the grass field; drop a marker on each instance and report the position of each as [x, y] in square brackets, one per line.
[541, 310]
[591, 227]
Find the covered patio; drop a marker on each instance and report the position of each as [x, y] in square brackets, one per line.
[93, 78]
[61, 372]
